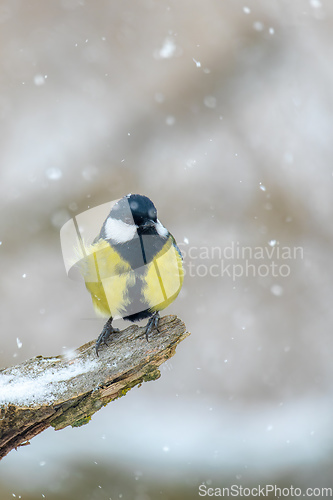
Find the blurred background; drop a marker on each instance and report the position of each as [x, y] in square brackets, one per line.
[221, 112]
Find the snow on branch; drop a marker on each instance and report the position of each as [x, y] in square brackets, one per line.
[61, 391]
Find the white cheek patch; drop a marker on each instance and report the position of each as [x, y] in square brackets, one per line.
[162, 231]
[118, 231]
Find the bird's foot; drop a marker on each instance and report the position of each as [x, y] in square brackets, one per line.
[105, 334]
[152, 323]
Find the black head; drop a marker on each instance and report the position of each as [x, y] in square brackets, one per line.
[132, 216]
[142, 208]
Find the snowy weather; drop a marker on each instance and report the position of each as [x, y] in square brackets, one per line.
[220, 112]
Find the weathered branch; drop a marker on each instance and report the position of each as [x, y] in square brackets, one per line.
[61, 391]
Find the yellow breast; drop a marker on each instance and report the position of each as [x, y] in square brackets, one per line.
[165, 277]
[117, 290]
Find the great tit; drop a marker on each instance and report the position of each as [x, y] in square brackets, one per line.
[133, 269]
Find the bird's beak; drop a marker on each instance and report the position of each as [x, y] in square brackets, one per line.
[148, 224]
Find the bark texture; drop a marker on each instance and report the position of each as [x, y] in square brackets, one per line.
[68, 391]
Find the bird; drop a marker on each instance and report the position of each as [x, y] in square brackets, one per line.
[133, 269]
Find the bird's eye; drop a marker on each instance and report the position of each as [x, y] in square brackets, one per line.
[152, 213]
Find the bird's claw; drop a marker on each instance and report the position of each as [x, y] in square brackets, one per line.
[152, 323]
[105, 334]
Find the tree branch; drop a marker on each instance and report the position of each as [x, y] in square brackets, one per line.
[61, 391]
